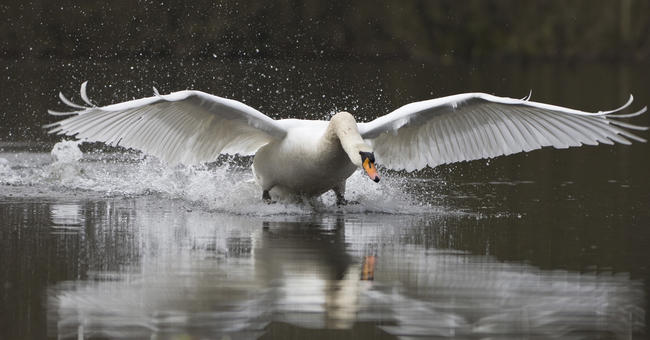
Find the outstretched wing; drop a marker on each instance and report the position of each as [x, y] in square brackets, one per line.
[182, 127]
[472, 126]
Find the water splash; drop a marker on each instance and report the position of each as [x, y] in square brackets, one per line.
[5, 169]
[66, 168]
[67, 151]
[228, 187]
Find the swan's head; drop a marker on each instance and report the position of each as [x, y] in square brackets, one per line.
[360, 153]
[368, 164]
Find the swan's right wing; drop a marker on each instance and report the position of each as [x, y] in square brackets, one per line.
[182, 127]
[472, 126]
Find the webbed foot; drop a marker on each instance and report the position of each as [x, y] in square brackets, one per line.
[343, 201]
[266, 197]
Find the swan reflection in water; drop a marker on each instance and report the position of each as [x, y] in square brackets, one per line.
[203, 274]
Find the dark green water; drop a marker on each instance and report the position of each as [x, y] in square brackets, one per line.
[554, 243]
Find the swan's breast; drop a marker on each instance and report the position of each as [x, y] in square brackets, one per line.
[302, 162]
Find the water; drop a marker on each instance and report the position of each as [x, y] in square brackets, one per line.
[109, 243]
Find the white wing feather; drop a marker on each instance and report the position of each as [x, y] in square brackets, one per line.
[182, 127]
[476, 125]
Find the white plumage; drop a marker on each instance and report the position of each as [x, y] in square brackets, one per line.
[183, 127]
[472, 126]
[311, 157]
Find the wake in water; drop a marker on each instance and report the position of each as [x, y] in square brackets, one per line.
[226, 188]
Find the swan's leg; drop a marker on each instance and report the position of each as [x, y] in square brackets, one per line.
[339, 191]
[266, 197]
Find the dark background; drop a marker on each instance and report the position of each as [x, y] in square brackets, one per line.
[282, 56]
[442, 31]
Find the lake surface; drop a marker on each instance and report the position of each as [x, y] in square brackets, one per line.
[109, 243]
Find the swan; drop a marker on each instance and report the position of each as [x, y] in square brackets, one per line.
[311, 157]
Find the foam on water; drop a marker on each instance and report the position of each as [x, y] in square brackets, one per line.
[5, 169]
[225, 188]
[67, 151]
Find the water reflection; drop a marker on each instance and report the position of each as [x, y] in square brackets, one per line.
[316, 282]
[447, 294]
[204, 274]
[66, 218]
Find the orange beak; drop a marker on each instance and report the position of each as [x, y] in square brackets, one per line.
[368, 270]
[371, 170]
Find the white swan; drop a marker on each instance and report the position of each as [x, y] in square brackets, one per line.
[310, 157]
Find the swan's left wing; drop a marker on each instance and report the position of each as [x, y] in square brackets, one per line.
[472, 126]
[182, 127]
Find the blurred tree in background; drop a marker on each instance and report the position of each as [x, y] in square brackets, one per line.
[441, 31]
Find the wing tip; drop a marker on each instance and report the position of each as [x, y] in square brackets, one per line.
[57, 113]
[51, 125]
[624, 106]
[71, 104]
[84, 94]
[628, 115]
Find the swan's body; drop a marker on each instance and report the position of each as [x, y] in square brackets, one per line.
[318, 162]
[309, 157]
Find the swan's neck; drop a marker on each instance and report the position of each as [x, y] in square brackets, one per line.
[343, 129]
